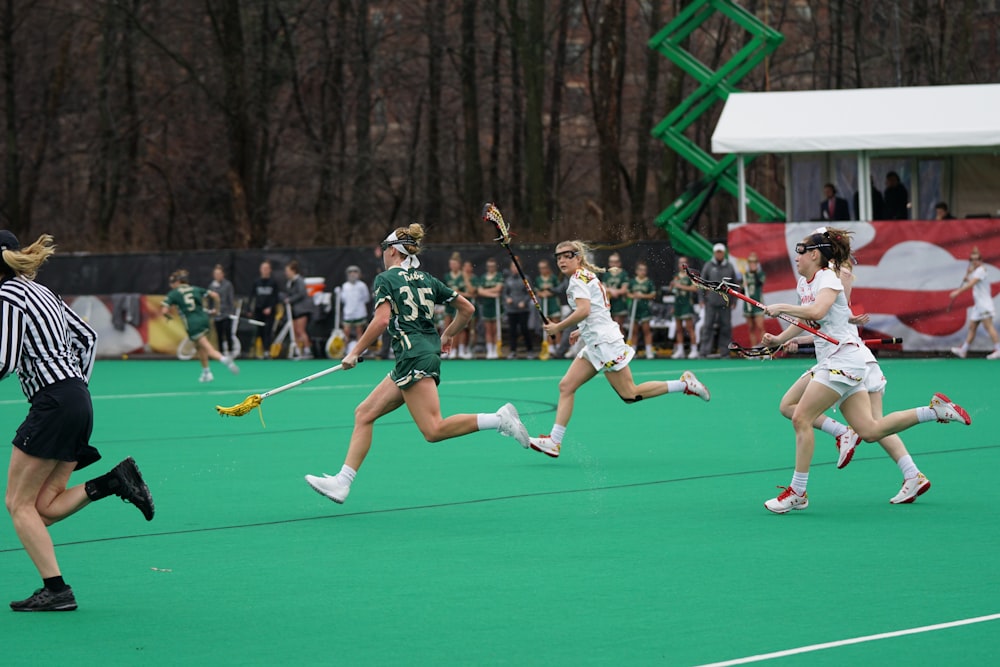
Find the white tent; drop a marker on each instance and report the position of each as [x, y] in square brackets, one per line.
[870, 119]
[866, 122]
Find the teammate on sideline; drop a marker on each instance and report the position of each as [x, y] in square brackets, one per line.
[982, 306]
[839, 374]
[188, 300]
[604, 347]
[404, 302]
[915, 483]
[52, 351]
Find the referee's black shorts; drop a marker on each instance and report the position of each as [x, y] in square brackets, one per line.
[59, 424]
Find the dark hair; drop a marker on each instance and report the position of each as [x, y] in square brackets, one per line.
[941, 204]
[831, 186]
[834, 244]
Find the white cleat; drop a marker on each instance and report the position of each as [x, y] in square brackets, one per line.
[913, 487]
[511, 426]
[846, 443]
[694, 386]
[329, 486]
[544, 444]
[787, 500]
[947, 411]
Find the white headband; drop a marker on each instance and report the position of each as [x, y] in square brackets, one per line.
[410, 261]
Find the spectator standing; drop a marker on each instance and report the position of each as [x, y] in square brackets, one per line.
[833, 207]
[549, 287]
[470, 290]
[897, 199]
[517, 305]
[718, 323]
[300, 306]
[455, 281]
[615, 281]
[643, 291]
[684, 290]
[264, 300]
[753, 287]
[489, 289]
[354, 300]
[227, 309]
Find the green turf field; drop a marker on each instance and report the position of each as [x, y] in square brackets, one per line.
[645, 543]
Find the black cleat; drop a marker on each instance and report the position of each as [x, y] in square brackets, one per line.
[45, 600]
[131, 487]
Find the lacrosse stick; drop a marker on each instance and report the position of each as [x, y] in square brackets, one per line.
[726, 289]
[631, 322]
[254, 400]
[492, 214]
[763, 352]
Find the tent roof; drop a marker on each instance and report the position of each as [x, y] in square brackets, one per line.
[875, 119]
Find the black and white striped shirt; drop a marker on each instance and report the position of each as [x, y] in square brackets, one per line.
[41, 338]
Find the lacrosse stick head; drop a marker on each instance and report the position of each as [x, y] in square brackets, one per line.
[242, 408]
[719, 288]
[759, 352]
[492, 215]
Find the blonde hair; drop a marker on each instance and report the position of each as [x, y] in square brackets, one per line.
[25, 262]
[416, 232]
[583, 251]
[179, 276]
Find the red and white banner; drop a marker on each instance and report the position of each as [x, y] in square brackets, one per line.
[904, 273]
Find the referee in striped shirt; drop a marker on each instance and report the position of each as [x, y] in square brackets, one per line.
[51, 350]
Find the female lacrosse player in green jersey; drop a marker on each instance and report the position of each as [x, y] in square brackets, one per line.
[470, 290]
[642, 289]
[682, 288]
[489, 289]
[188, 300]
[753, 287]
[404, 302]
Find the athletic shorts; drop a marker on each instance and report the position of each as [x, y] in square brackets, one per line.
[874, 379]
[683, 311]
[607, 356]
[197, 325]
[59, 424]
[977, 314]
[409, 370]
[843, 371]
[356, 323]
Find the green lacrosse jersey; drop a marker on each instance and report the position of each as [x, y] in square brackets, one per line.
[683, 306]
[550, 304]
[754, 283]
[643, 311]
[616, 278]
[189, 300]
[488, 304]
[456, 281]
[412, 294]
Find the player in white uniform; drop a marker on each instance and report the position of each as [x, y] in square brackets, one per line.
[604, 347]
[914, 482]
[982, 306]
[354, 298]
[839, 374]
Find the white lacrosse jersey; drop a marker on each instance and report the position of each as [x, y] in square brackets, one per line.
[598, 327]
[981, 290]
[835, 323]
[354, 298]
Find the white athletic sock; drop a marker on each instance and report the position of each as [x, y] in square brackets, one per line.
[486, 421]
[964, 347]
[461, 350]
[833, 427]
[347, 474]
[674, 386]
[557, 433]
[908, 467]
[799, 481]
[926, 414]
